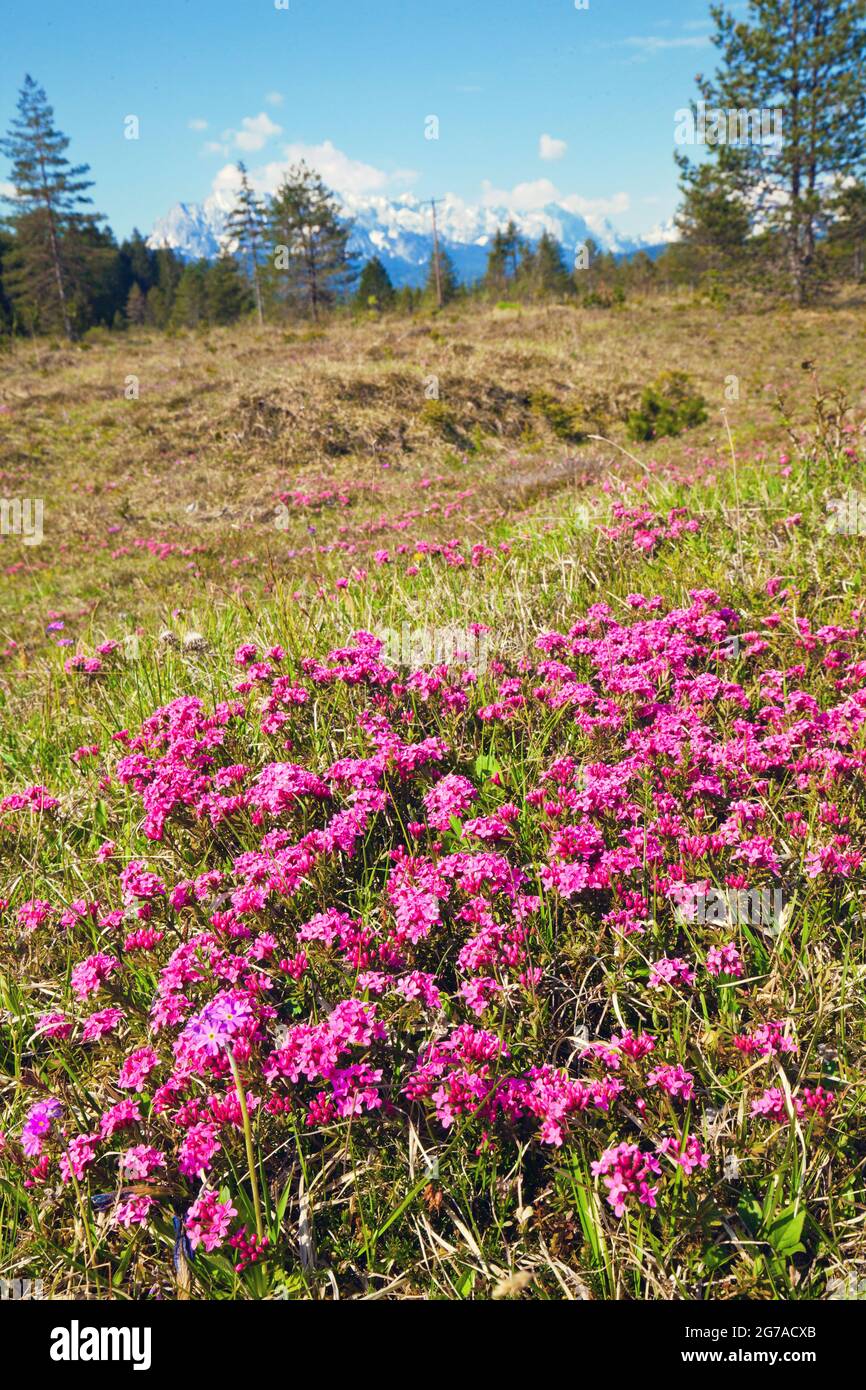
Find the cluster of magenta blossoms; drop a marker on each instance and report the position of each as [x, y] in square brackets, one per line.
[428, 930]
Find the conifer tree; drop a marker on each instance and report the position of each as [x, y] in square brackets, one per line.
[847, 235]
[804, 60]
[375, 290]
[448, 281]
[311, 265]
[713, 221]
[496, 271]
[245, 228]
[47, 271]
[190, 300]
[136, 304]
[227, 295]
[549, 274]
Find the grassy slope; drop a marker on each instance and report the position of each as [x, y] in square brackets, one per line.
[379, 1224]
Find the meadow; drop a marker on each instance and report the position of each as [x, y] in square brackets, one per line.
[393, 751]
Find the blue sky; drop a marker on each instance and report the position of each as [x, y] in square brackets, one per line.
[350, 84]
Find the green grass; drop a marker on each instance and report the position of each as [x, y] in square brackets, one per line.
[354, 1207]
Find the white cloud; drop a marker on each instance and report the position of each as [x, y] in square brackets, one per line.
[349, 177]
[341, 172]
[255, 132]
[197, 123]
[648, 45]
[274, 99]
[551, 148]
[597, 207]
[532, 196]
[253, 135]
[523, 197]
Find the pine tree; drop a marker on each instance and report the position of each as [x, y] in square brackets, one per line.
[549, 273]
[375, 290]
[138, 265]
[803, 58]
[847, 234]
[513, 247]
[245, 227]
[713, 221]
[447, 277]
[48, 270]
[508, 255]
[496, 271]
[136, 304]
[227, 295]
[161, 296]
[190, 300]
[310, 257]
[6, 311]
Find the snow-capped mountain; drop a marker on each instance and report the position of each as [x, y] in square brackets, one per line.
[399, 231]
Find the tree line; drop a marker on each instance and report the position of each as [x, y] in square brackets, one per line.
[774, 206]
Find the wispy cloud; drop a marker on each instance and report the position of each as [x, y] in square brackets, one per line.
[253, 135]
[649, 44]
[347, 176]
[274, 99]
[197, 123]
[537, 193]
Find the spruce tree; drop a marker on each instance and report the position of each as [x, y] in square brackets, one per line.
[549, 274]
[227, 295]
[447, 277]
[189, 308]
[136, 305]
[47, 274]
[375, 290]
[310, 260]
[713, 221]
[803, 58]
[847, 235]
[245, 228]
[496, 271]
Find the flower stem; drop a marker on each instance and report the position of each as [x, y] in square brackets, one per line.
[248, 1139]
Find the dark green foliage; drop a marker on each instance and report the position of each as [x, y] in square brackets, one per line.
[227, 293]
[52, 268]
[246, 230]
[667, 407]
[804, 60]
[309, 266]
[448, 282]
[566, 420]
[375, 290]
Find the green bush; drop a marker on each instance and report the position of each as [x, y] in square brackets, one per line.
[667, 407]
[565, 418]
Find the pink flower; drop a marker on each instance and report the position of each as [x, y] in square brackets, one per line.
[137, 1068]
[724, 960]
[208, 1221]
[140, 1162]
[667, 971]
[197, 1151]
[88, 976]
[450, 796]
[80, 1153]
[626, 1170]
[673, 1080]
[98, 1024]
[134, 1211]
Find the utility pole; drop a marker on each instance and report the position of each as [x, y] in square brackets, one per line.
[436, 266]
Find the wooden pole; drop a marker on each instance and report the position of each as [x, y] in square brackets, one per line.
[436, 257]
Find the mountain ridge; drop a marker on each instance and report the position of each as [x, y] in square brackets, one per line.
[399, 231]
